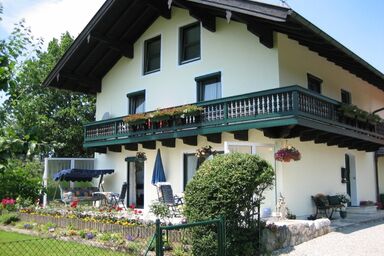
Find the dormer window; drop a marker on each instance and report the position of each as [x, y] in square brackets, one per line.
[189, 43]
[152, 50]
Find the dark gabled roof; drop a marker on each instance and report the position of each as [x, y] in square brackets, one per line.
[115, 28]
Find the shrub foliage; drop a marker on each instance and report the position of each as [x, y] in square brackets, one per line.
[21, 180]
[231, 186]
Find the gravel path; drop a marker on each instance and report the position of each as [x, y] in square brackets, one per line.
[360, 240]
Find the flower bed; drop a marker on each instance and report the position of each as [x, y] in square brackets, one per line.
[141, 231]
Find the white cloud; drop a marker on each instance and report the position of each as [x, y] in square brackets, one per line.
[51, 18]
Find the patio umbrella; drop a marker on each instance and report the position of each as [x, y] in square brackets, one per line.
[158, 170]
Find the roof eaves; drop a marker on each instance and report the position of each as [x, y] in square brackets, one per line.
[256, 9]
[300, 19]
[76, 43]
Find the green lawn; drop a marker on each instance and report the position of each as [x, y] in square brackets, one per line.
[9, 237]
[14, 244]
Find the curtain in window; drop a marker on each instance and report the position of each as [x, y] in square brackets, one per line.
[138, 104]
[190, 167]
[212, 91]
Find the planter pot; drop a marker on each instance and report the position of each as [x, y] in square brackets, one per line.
[343, 214]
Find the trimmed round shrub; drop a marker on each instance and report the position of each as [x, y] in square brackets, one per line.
[232, 186]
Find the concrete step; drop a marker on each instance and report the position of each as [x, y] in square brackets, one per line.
[362, 209]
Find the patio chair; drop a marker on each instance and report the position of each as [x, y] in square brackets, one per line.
[116, 198]
[165, 195]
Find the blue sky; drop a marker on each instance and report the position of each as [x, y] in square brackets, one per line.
[357, 24]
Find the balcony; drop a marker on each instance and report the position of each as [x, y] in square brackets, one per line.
[286, 112]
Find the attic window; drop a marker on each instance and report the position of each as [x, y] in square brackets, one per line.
[189, 43]
[314, 83]
[136, 102]
[152, 55]
[346, 97]
[209, 87]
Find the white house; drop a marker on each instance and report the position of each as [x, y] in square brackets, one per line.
[264, 76]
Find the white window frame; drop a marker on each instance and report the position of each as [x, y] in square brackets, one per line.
[253, 145]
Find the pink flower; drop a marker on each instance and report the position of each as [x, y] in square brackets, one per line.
[8, 201]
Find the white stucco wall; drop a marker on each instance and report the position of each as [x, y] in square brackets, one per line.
[245, 65]
[319, 171]
[172, 159]
[295, 61]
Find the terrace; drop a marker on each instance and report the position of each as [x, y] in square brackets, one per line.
[285, 112]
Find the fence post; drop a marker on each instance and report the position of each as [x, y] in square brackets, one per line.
[224, 230]
[159, 249]
[219, 237]
[259, 227]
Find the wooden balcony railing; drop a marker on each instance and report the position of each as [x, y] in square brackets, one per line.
[258, 107]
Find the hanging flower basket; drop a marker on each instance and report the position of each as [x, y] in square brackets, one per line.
[287, 153]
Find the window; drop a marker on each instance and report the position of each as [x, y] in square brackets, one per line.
[191, 164]
[190, 167]
[136, 102]
[346, 97]
[189, 43]
[152, 55]
[209, 87]
[314, 83]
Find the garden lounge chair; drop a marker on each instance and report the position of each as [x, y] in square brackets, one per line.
[326, 205]
[165, 194]
[117, 199]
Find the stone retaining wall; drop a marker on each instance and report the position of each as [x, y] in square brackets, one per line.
[281, 234]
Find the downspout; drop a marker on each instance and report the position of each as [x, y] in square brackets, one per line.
[45, 181]
[377, 177]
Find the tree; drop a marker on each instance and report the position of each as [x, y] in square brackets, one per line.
[53, 118]
[35, 121]
[11, 49]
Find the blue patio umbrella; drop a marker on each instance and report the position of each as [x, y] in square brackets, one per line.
[158, 170]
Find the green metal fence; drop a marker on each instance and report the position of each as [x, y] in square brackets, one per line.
[163, 230]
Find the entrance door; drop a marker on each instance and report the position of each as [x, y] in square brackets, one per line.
[139, 196]
[350, 167]
[135, 180]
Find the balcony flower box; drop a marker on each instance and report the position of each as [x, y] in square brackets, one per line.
[187, 114]
[189, 110]
[161, 115]
[348, 110]
[287, 153]
[374, 119]
[136, 119]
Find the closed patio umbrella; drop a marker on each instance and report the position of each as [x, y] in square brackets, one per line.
[158, 170]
